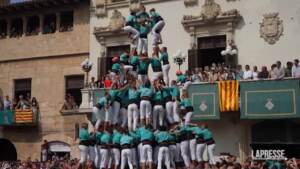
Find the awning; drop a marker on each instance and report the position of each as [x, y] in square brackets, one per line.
[57, 146]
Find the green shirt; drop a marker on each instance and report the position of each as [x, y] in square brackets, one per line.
[132, 21]
[113, 94]
[116, 67]
[144, 31]
[197, 131]
[116, 137]
[181, 78]
[126, 139]
[133, 95]
[146, 92]
[143, 67]
[162, 136]
[134, 60]
[164, 57]
[155, 64]
[83, 134]
[207, 135]
[103, 101]
[175, 92]
[157, 96]
[166, 93]
[98, 137]
[124, 57]
[145, 134]
[105, 138]
[142, 16]
[155, 17]
[135, 136]
[186, 103]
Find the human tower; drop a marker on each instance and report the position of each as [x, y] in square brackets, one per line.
[145, 122]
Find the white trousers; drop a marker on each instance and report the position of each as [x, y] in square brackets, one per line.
[186, 85]
[115, 112]
[142, 46]
[158, 114]
[173, 151]
[92, 153]
[200, 151]
[155, 155]
[133, 115]
[126, 156]
[142, 78]
[134, 33]
[84, 150]
[156, 76]
[157, 28]
[134, 157]
[108, 115]
[145, 109]
[170, 112]
[210, 152]
[97, 158]
[163, 155]
[193, 145]
[176, 116]
[113, 76]
[147, 153]
[166, 69]
[188, 118]
[115, 152]
[100, 116]
[184, 149]
[124, 117]
[104, 155]
[126, 69]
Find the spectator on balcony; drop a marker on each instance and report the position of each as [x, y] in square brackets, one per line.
[196, 77]
[35, 108]
[231, 75]
[239, 72]
[296, 69]
[7, 103]
[288, 69]
[279, 70]
[67, 104]
[273, 71]
[248, 74]
[93, 83]
[23, 103]
[107, 82]
[255, 73]
[264, 73]
[222, 74]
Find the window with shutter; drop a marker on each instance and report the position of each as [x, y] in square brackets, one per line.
[22, 87]
[74, 84]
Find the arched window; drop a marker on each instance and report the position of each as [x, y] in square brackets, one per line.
[8, 151]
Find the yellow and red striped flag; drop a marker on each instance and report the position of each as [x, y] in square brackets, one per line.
[229, 96]
[24, 116]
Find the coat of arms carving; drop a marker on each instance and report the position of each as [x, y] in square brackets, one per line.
[271, 28]
[117, 21]
[210, 10]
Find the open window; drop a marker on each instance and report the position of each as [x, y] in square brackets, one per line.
[66, 21]
[49, 24]
[22, 87]
[3, 29]
[74, 84]
[16, 29]
[33, 25]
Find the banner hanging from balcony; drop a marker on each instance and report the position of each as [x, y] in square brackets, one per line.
[205, 101]
[270, 99]
[24, 116]
[229, 96]
[6, 117]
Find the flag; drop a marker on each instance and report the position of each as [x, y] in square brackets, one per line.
[24, 116]
[229, 96]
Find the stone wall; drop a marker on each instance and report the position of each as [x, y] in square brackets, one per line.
[48, 86]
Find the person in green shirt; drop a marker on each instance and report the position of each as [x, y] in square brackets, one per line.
[105, 141]
[158, 24]
[158, 103]
[132, 28]
[164, 57]
[126, 143]
[143, 66]
[144, 30]
[115, 150]
[133, 111]
[134, 62]
[115, 69]
[146, 93]
[210, 143]
[156, 67]
[146, 137]
[100, 109]
[175, 92]
[188, 110]
[163, 138]
[84, 143]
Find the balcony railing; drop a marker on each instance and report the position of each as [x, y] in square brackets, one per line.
[263, 99]
[18, 117]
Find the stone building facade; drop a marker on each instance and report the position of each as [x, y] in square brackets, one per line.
[48, 59]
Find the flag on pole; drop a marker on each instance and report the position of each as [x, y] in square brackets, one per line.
[229, 96]
[24, 116]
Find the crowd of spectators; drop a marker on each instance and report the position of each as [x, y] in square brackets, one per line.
[21, 103]
[69, 103]
[224, 162]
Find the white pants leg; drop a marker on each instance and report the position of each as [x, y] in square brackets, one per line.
[188, 118]
[83, 153]
[97, 158]
[99, 114]
[169, 112]
[178, 157]
[184, 148]
[210, 151]
[124, 117]
[134, 33]
[156, 76]
[126, 156]
[142, 78]
[92, 153]
[104, 155]
[145, 109]
[172, 149]
[116, 156]
[157, 28]
[142, 46]
[200, 151]
[193, 145]
[156, 150]
[108, 115]
[176, 116]
[134, 156]
[163, 154]
[115, 112]
[158, 114]
[186, 85]
[166, 69]
[140, 152]
[113, 76]
[132, 116]
[147, 153]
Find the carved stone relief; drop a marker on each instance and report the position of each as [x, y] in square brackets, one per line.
[210, 10]
[271, 28]
[134, 5]
[100, 8]
[190, 2]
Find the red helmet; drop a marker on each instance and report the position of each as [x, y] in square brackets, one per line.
[115, 59]
[178, 72]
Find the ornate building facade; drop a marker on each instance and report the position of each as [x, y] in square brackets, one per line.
[42, 45]
[262, 32]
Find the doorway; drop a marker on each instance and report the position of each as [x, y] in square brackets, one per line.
[8, 151]
[59, 149]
